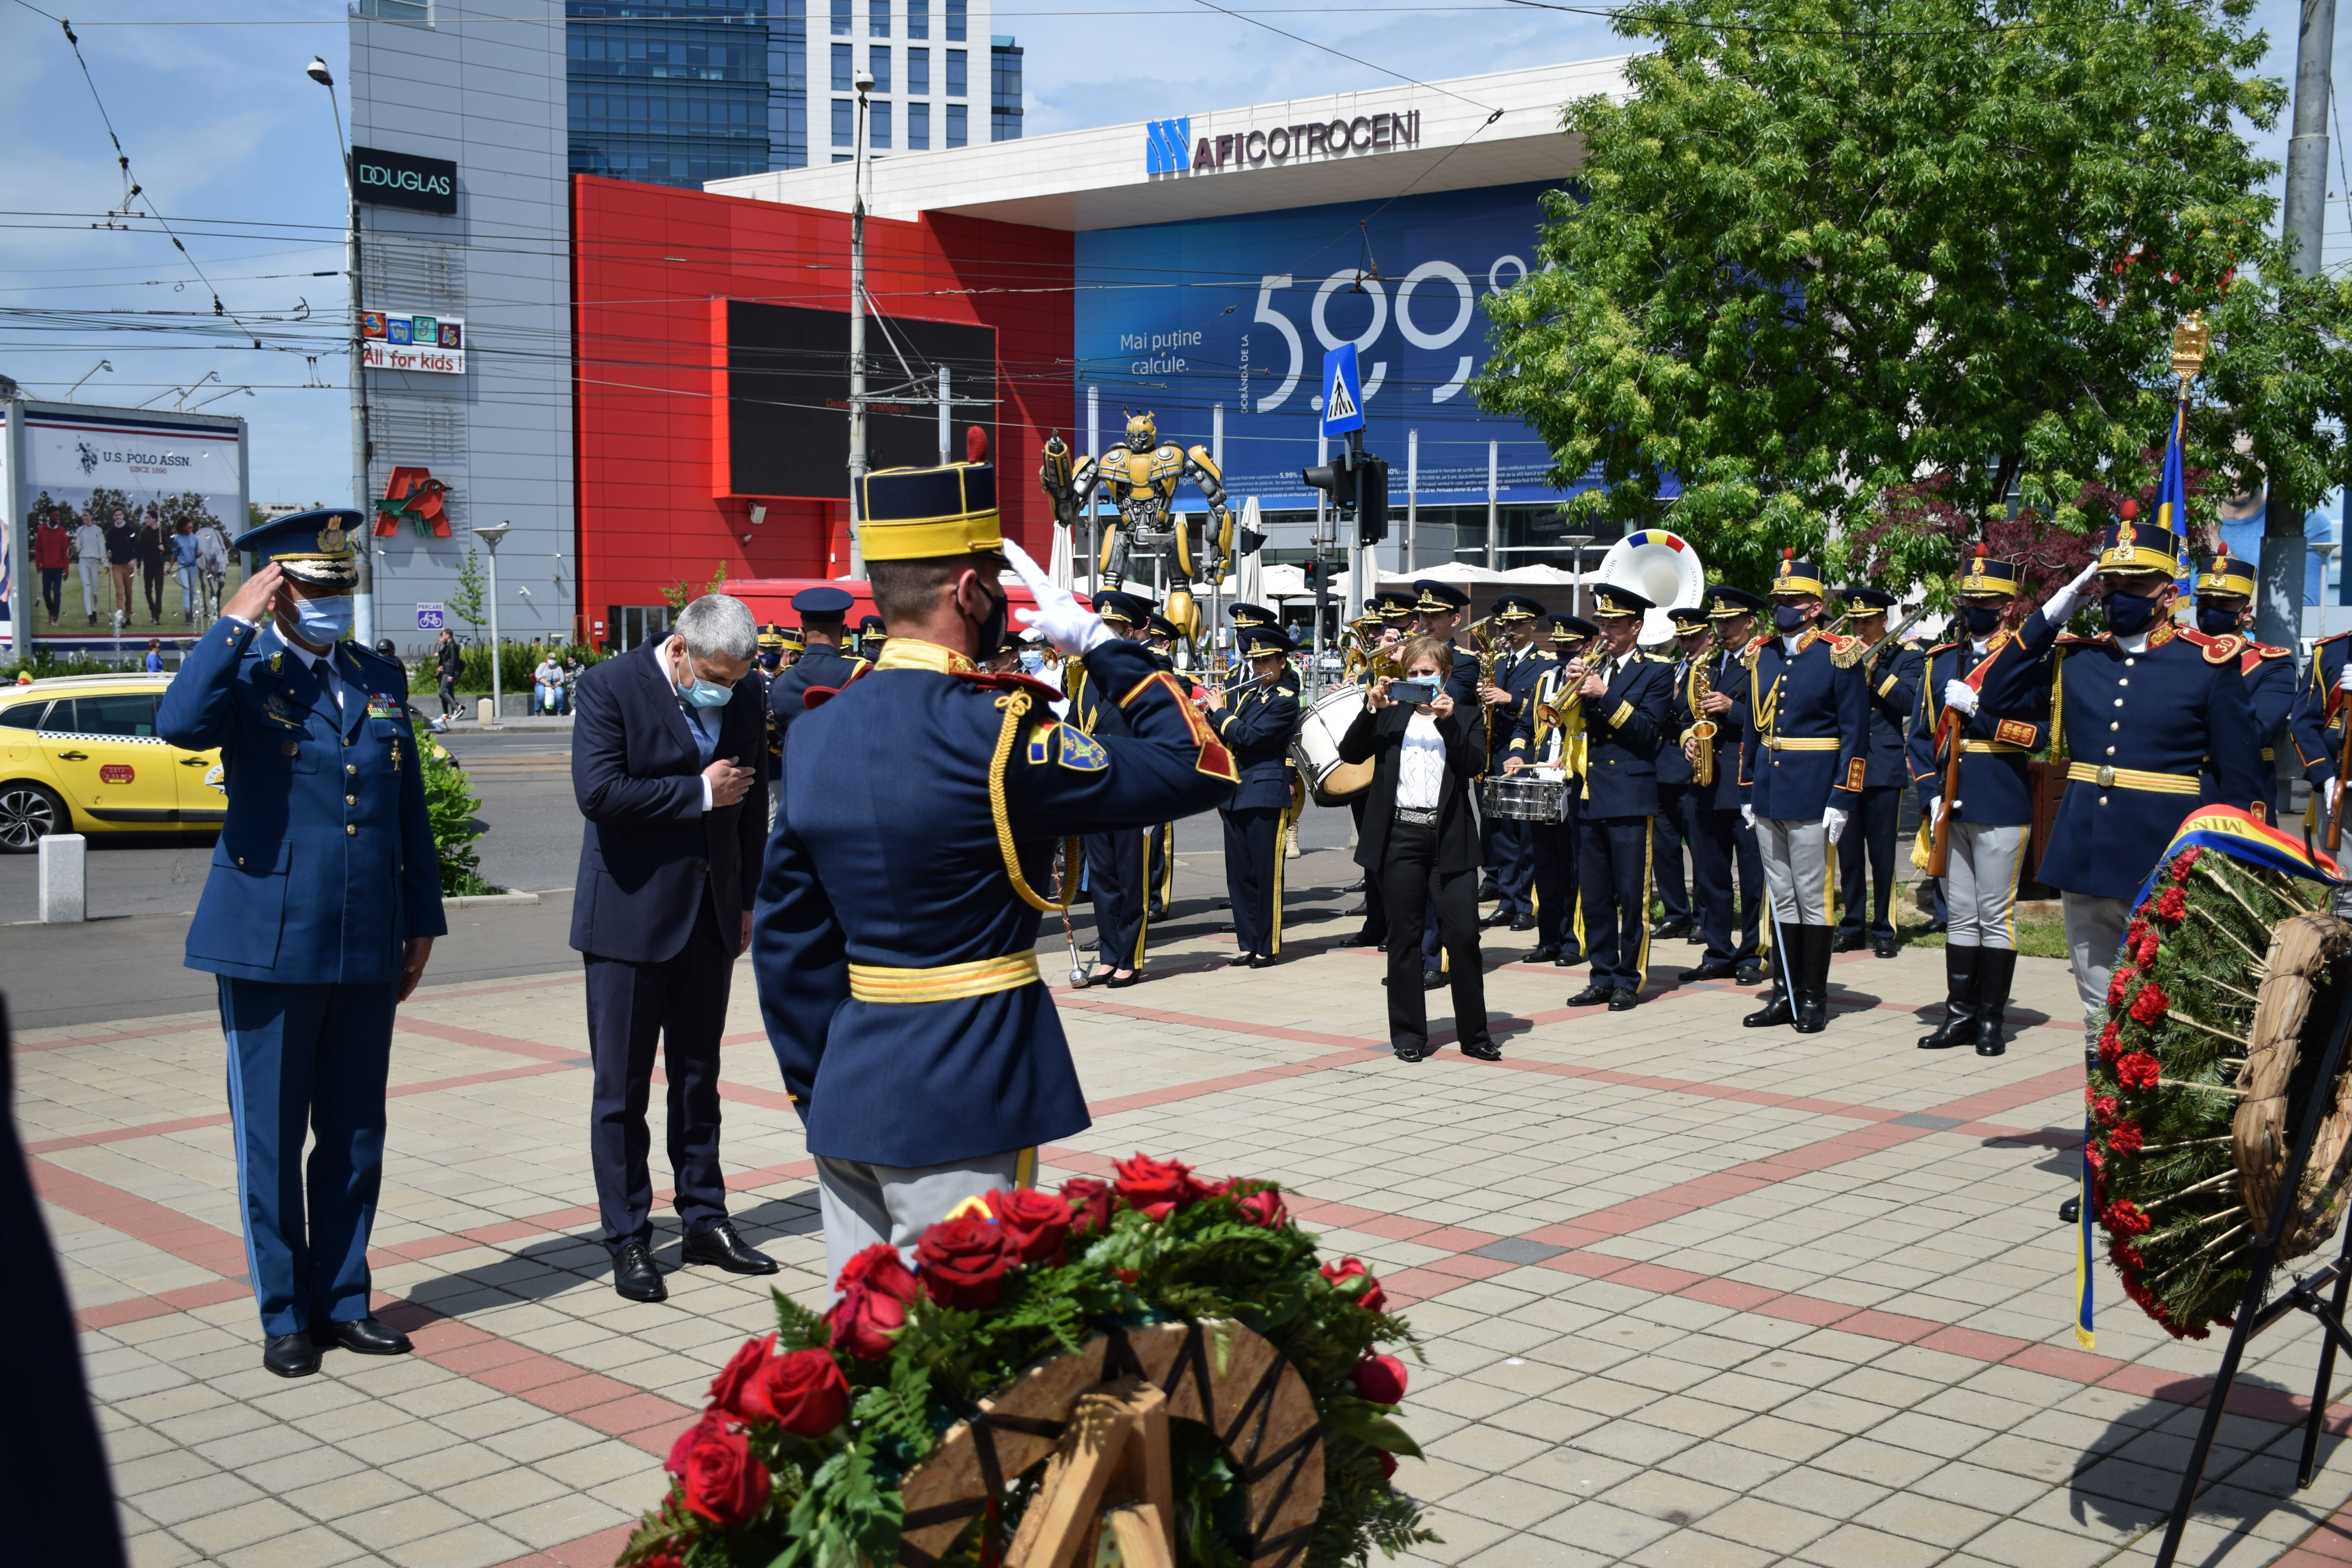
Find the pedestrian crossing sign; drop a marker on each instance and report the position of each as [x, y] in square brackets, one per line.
[1343, 392]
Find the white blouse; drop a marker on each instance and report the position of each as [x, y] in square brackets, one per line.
[1421, 765]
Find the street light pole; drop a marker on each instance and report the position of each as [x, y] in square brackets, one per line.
[865, 81]
[363, 591]
[489, 537]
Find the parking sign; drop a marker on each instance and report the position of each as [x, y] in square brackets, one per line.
[428, 618]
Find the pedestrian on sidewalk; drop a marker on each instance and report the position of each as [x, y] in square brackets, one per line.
[448, 663]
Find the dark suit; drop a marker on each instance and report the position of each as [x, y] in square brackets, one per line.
[1624, 728]
[1257, 727]
[1893, 681]
[658, 917]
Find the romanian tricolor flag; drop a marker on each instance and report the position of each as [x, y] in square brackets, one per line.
[2172, 505]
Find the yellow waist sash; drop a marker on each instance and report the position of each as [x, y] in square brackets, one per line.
[947, 983]
[1995, 748]
[2132, 778]
[1801, 742]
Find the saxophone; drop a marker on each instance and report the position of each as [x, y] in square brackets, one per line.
[1703, 727]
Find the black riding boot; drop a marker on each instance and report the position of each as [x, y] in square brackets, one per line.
[1813, 945]
[1959, 1024]
[1778, 1010]
[1993, 972]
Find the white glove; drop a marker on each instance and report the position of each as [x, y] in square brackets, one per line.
[1833, 823]
[1935, 812]
[1747, 815]
[2344, 679]
[1959, 695]
[2331, 787]
[2060, 605]
[1069, 625]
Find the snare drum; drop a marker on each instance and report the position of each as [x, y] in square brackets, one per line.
[1317, 746]
[1527, 796]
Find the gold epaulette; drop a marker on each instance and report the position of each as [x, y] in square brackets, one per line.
[2217, 650]
[2269, 650]
[1750, 655]
[1846, 652]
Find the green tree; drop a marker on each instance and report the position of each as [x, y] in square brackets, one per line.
[468, 603]
[681, 593]
[1829, 249]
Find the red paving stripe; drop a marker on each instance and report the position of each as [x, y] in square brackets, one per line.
[645, 1421]
[483, 1040]
[1174, 1092]
[138, 1309]
[597, 1551]
[1084, 1002]
[166, 1229]
[71, 1041]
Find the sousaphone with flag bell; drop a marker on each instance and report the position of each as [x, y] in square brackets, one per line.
[1663, 568]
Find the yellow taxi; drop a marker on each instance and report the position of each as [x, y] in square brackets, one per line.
[80, 755]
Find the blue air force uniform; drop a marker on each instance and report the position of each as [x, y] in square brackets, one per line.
[1721, 841]
[1541, 736]
[823, 607]
[1866, 852]
[1623, 729]
[1257, 726]
[1509, 851]
[324, 871]
[1675, 777]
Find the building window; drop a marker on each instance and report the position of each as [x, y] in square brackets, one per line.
[877, 60]
[877, 18]
[918, 19]
[918, 70]
[955, 124]
[1003, 89]
[841, 19]
[788, 145]
[397, 10]
[955, 74]
[918, 127]
[845, 122]
[955, 21]
[878, 128]
[843, 67]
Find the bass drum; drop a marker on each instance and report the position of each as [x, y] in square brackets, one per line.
[1316, 747]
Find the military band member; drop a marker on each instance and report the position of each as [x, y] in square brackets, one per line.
[894, 936]
[822, 611]
[1627, 703]
[1439, 611]
[2225, 607]
[1118, 870]
[1392, 624]
[792, 646]
[870, 637]
[318, 917]
[1715, 692]
[1674, 782]
[1257, 726]
[2141, 707]
[1159, 862]
[1550, 734]
[1509, 853]
[1397, 607]
[1998, 694]
[1803, 765]
[1867, 853]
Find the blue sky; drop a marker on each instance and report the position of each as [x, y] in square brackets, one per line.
[225, 132]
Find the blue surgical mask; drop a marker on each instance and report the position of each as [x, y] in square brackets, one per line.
[323, 620]
[1033, 660]
[1981, 619]
[2128, 614]
[1790, 617]
[704, 693]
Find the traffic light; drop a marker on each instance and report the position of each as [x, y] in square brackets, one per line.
[1313, 570]
[1335, 479]
[1372, 500]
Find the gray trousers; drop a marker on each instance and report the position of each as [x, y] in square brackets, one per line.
[2095, 929]
[1800, 867]
[1980, 885]
[864, 1204]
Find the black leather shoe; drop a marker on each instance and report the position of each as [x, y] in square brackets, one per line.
[1666, 928]
[1591, 996]
[1773, 1013]
[1356, 885]
[1433, 980]
[1238, 961]
[1624, 999]
[2071, 1211]
[1569, 960]
[1885, 943]
[1499, 918]
[1357, 913]
[1411, 1052]
[1749, 974]
[1959, 1024]
[1543, 955]
[1523, 922]
[291, 1355]
[1707, 971]
[363, 1336]
[1367, 937]
[634, 1276]
[1849, 941]
[1263, 961]
[1485, 1050]
[1995, 967]
[721, 1245]
[1121, 982]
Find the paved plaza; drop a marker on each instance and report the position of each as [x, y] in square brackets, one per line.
[1690, 1294]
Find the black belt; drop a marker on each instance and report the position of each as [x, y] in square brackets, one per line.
[1418, 817]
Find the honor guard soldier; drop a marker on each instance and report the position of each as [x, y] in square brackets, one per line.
[1118, 863]
[1510, 855]
[1989, 688]
[1867, 853]
[1550, 734]
[317, 916]
[1804, 766]
[1712, 708]
[772, 650]
[895, 935]
[1257, 727]
[2225, 601]
[823, 664]
[1676, 776]
[2321, 702]
[790, 647]
[1626, 700]
[771, 664]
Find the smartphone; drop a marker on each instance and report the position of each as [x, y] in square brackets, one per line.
[1412, 694]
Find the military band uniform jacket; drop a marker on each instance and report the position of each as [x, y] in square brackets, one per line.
[324, 867]
[1726, 673]
[1623, 729]
[1674, 768]
[1893, 681]
[1997, 742]
[1804, 751]
[882, 890]
[2137, 729]
[1257, 725]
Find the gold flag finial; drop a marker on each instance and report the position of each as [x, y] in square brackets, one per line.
[2190, 340]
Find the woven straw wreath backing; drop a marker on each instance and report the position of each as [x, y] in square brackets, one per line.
[2302, 949]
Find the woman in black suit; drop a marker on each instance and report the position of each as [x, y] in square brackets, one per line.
[1420, 844]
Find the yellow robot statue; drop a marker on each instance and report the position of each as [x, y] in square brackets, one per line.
[1141, 476]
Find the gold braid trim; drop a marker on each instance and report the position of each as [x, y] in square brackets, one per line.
[2058, 709]
[1013, 705]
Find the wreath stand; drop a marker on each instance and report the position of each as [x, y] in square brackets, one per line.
[1097, 1421]
[2257, 1313]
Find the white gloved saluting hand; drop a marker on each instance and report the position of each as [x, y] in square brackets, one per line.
[1960, 696]
[1069, 625]
[2060, 605]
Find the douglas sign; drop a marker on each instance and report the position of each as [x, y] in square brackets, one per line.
[404, 179]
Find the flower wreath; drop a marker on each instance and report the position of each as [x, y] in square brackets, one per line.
[798, 1460]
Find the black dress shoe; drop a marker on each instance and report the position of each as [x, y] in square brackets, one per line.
[1355, 887]
[363, 1336]
[1591, 996]
[1357, 913]
[634, 1276]
[1263, 961]
[1367, 937]
[1499, 918]
[1485, 1050]
[1719, 971]
[1411, 1052]
[1238, 961]
[1568, 959]
[1121, 982]
[1624, 999]
[1523, 922]
[721, 1245]
[1885, 944]
[1667, 928]
[1749, 974]
[1433, 980]
[291, 1355]
[2071, 1211]
[1543, 955]
[1849, 941]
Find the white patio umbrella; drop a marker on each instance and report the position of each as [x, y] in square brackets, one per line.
[1249, 584]
[1062, 567]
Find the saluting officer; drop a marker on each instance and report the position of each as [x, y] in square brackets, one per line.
[1257, 728]
[1510, 854]
[2225, 607]
[1715, 692]
[1627, 703]
[1804, 766]
[1675, 779]
[1996, 693]
[317, 916]
[1117, 873]
[1891, 677]
[1550, 734]
[2142, 706]
[821, 664]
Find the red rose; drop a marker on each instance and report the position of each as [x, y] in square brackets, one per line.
[2137, 930]
[863, 1322]
[2186, 863]
[1035, 1224]
[964, 1263]
[804, 1393]
[2171, 904]
[2149, 1004]
[1264, 1208]
[729, 1388]
[2111, 1042]
[2122, 1218]
[1090, 1202]
[663, 1559]
[1127, 1276]
[879, 1268]
[713, 1421]
[724, 1483]
[1371, 1298]
[2138, 1070]
[1155, 1188]
[1380, 1379]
